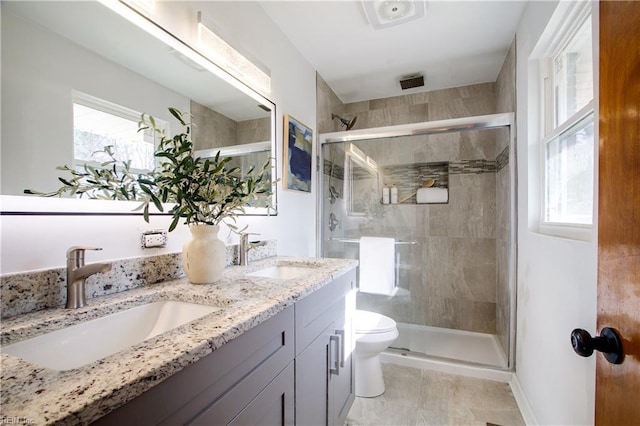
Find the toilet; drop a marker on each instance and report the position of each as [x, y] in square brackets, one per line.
[373, 334]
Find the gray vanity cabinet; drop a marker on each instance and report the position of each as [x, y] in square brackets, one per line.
[246, 381]
[296, 367]
[324, 365]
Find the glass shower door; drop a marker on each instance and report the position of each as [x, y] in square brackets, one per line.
[452, 296]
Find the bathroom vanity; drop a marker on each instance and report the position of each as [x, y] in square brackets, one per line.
[325, 382]
[275, 351]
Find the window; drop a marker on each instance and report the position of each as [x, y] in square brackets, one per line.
[98, 123]
[569, 175]
[568, 128]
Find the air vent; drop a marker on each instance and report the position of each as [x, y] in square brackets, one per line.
[411, 82]
[387, 13]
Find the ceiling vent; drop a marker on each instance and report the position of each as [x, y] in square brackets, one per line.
[387, 13]
[412, 81]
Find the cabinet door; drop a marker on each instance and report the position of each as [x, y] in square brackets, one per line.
[315, 312]
[273, 406]
[342, 382]
[312, 380]
[325, 385]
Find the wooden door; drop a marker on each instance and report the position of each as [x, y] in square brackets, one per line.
[618, 386]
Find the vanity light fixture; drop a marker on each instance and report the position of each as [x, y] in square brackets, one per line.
[365, 160]
[145, 23]
[372, 163]
[220, 52]
[356, 152]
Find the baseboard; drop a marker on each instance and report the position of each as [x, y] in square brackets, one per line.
[523, 402]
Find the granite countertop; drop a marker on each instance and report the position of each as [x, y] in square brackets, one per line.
[35, 395]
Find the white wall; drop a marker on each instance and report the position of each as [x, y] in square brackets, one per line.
[556, 277]
[293, 82]
[35, 242]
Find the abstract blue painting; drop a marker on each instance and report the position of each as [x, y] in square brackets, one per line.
[298, 144]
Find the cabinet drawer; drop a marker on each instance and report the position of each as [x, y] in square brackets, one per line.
[265, 349]
[315, 312]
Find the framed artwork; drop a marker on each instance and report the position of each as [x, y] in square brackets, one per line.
[298, 144]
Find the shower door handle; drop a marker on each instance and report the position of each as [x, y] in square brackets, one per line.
[334, 355]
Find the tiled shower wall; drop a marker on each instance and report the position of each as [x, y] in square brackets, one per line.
[456, 275]
[506, 102]
[213, 130]
[447, 269]
[327, 103]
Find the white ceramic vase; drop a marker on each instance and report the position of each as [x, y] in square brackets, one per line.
[204, 256]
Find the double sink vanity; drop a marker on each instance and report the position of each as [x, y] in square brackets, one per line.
[268, 343]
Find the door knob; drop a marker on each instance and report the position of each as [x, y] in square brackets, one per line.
[609, 343]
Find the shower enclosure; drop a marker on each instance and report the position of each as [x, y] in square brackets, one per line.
[454, 295]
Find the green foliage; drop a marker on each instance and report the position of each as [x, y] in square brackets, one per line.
[112, 180]
[203, 191]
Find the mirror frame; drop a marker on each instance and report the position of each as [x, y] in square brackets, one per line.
[16, 205]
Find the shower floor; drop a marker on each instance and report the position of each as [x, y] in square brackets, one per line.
[466, 346]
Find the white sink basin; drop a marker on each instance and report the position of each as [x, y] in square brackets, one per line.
[283, 272]
[81, 344]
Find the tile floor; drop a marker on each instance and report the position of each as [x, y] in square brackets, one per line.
[424, 397]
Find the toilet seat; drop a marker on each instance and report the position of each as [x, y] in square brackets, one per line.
[365, 322]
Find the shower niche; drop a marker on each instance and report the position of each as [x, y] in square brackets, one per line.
[454, 261]
[410, 178]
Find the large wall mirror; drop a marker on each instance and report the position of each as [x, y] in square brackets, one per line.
[72, 66]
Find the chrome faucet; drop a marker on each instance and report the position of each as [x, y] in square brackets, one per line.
[77, 273]
[245, 246]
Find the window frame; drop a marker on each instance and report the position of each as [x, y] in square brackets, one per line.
[117, 110]
[550, 131]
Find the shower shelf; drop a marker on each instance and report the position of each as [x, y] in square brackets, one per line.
[357, 241]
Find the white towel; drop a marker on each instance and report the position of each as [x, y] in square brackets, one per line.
[377, 265]
[432, 195]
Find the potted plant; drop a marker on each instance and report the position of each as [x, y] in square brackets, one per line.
[204, 193]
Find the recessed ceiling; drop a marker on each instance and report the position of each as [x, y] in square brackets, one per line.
[455, 44]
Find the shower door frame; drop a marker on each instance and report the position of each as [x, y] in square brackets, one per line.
[482, 122]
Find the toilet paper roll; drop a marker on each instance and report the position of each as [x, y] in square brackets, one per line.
[432, 195]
